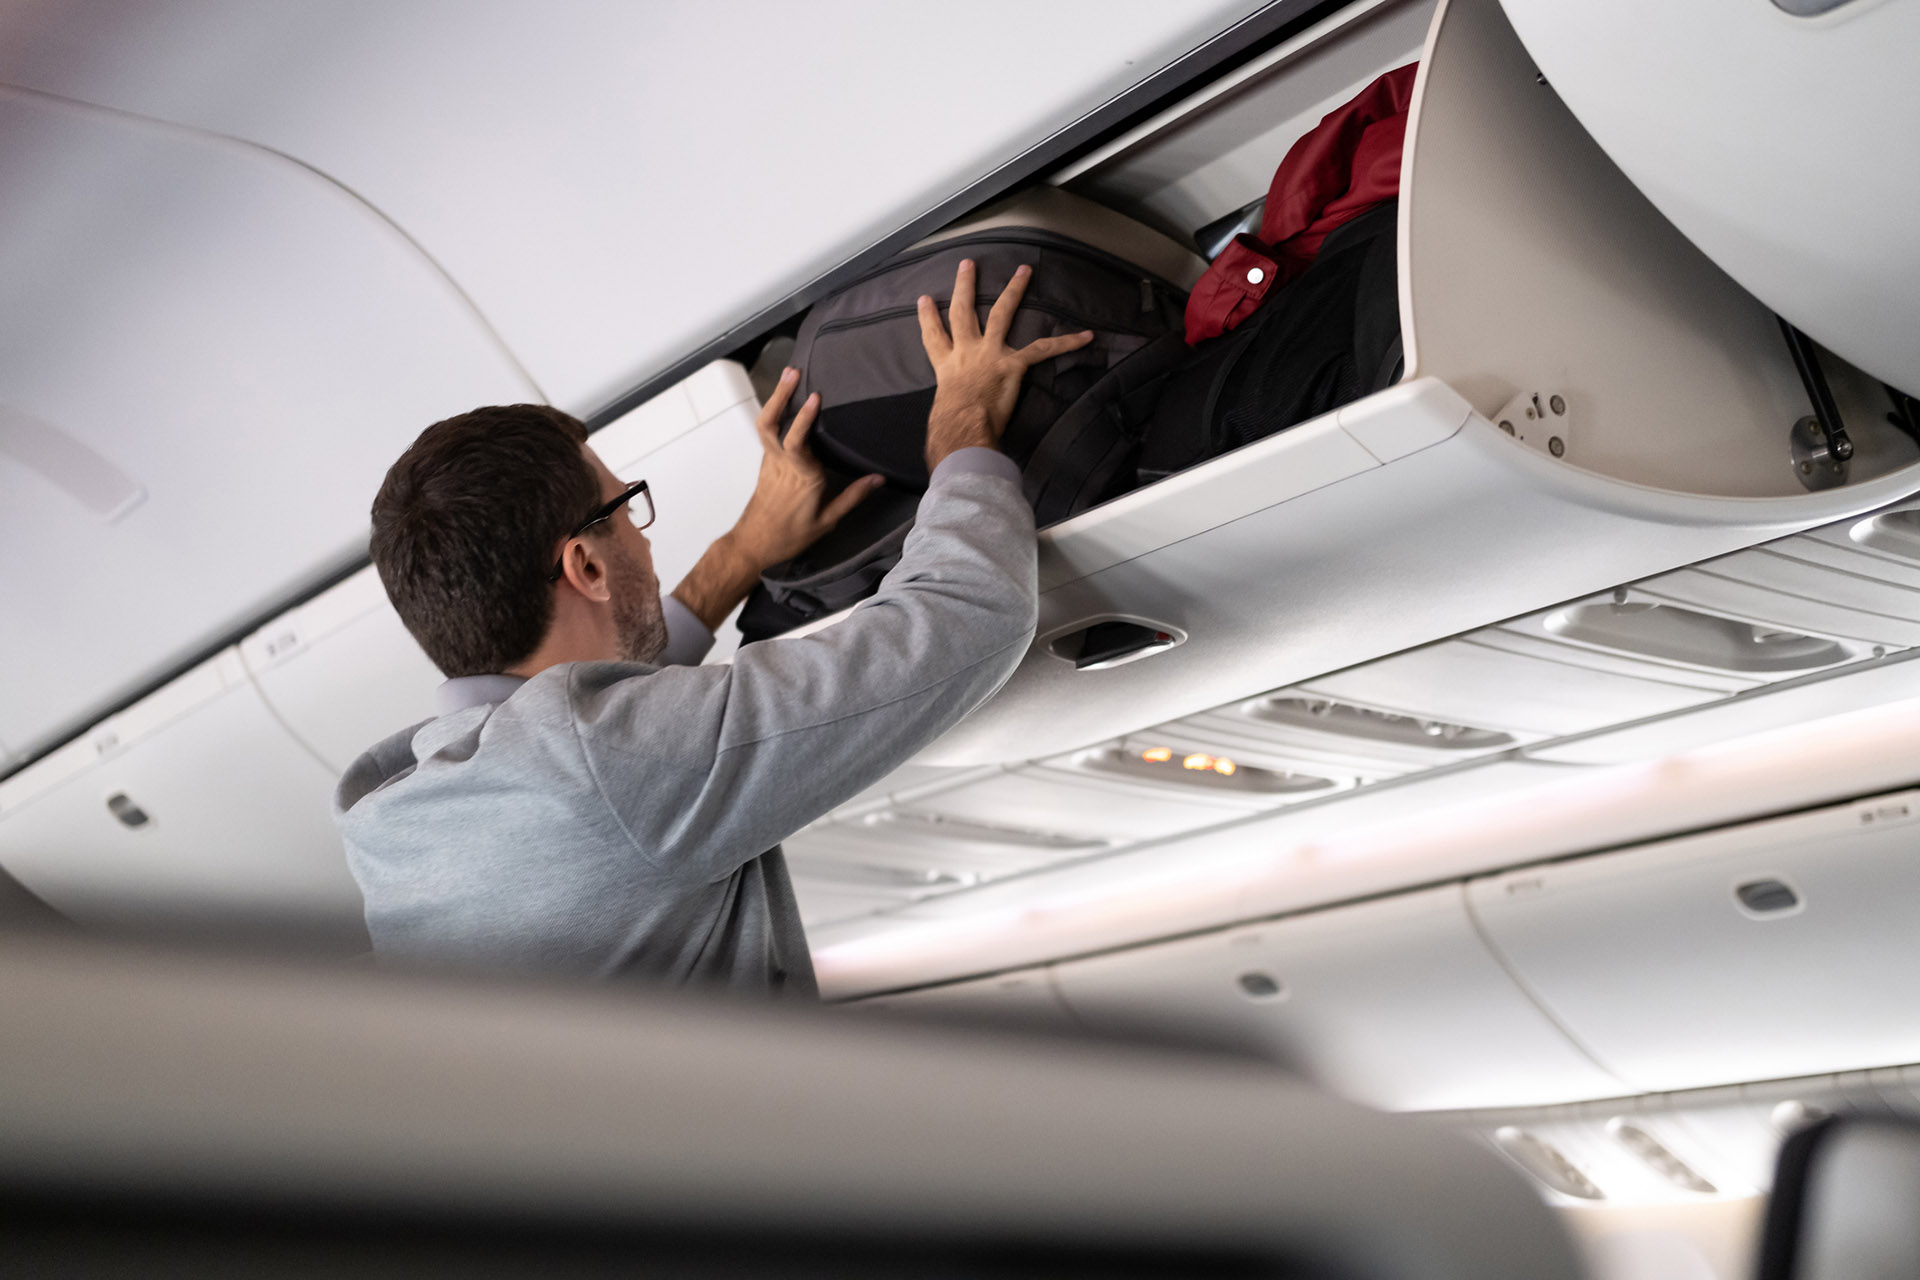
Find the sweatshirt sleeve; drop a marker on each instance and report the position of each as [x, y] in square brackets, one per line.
[709, 767]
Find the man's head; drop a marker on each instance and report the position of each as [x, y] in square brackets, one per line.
[468, 526]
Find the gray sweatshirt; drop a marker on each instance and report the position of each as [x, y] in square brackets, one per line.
[620, 819]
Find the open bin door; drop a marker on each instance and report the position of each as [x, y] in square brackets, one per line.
[1774, 135]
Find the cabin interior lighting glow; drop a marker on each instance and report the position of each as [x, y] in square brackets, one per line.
[1198, 762]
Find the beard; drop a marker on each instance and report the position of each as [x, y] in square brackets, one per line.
[638, 623]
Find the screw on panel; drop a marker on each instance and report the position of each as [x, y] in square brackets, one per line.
[1558, 405]
[1557, 447]
[1506, 426]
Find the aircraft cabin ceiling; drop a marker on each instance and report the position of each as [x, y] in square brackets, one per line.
[249, 251]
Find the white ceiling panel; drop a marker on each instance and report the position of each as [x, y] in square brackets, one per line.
[614, 183]
[208, 357]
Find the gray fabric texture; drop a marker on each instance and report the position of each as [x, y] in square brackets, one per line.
[622, 820]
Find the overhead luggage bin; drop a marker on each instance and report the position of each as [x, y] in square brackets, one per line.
[193, 807]
[1647, 400]
[341, 672]
[1395, 1003]
[1775, 135]
[1778, 948]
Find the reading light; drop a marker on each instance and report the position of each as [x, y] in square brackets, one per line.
[1197, 762]
[1157, 755]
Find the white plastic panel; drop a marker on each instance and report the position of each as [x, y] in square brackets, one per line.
[1530, 695]
[1869, 686]
[1460, 534]
[341, 672]
[238, 827]
[1395, 1003]
[1742, 123]
[651, 231]
[244, 342]
[1648, 959]
[1068, 804]
[1821, 595]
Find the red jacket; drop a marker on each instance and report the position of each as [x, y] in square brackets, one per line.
[1345, 166]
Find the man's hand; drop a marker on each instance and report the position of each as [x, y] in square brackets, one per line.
[788, 512]
[977, 375]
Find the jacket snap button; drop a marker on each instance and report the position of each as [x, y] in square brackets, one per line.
[1255, 275]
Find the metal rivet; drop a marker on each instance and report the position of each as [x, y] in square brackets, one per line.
[1558, 405]
[1255, 275]
[1557, 447]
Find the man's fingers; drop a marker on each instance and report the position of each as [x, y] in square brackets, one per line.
[1000, 319]
[803, 423]
[1042, 349]
[850, 497]
[933, 334]
[961, 318]
[768, 423]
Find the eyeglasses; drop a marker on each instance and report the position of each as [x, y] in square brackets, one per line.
[639, 504]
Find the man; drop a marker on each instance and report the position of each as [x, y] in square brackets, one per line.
[588, 801]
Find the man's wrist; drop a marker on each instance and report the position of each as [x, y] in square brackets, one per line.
[719, 582]
[951, 428]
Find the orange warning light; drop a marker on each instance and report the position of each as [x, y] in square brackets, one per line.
[1157, 755]
[1224, 767]
[1198, 761]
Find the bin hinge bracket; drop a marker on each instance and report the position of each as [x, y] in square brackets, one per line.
[1538, 419]
[1818, 444]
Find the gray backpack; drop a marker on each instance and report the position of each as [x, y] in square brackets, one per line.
[1074, 431]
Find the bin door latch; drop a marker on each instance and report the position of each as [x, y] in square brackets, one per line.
[1538, 419]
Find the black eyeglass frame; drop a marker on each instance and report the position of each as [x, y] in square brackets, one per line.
[605, 511]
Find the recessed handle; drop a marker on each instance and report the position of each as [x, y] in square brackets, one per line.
[1110, 642]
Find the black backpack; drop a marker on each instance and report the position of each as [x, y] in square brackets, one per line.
[1074, 431]
[1321, 341]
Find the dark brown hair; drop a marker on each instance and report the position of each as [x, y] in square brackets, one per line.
[466, 527]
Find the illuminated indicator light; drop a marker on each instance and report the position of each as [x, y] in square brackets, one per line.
[1157, 755]
[1198, 761]
[1224, 767]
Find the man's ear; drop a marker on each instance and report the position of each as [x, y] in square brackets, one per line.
[584, 568]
